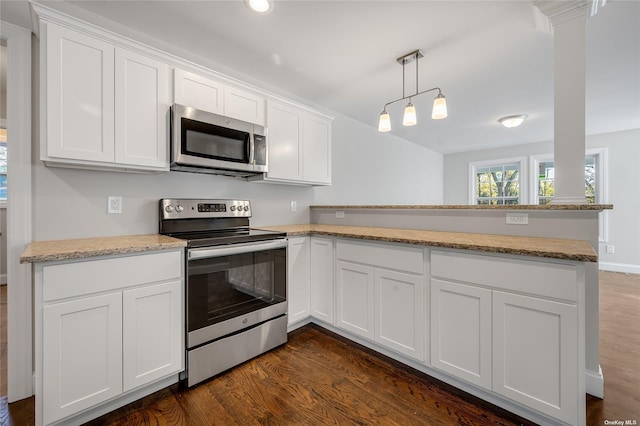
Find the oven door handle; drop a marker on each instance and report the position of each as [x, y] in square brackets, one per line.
[204, 253]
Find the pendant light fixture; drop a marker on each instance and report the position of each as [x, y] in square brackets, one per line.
[438, 112]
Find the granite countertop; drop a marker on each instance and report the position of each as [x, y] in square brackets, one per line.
[578, 250]
[596, 207]
[47, 251]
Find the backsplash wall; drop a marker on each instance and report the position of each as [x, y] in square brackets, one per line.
[69, 203]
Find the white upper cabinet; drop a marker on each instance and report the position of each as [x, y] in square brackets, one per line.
[208, 94]
[244, 105]
[299, 145]
[196, 91]
[142, 105]
[104, 106]
[79, 92]
[285, 133]
[316, 149]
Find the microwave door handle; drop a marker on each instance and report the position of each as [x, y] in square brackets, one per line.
[252, 149]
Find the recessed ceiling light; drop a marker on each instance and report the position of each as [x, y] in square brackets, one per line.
[260, 6]
[512, 120]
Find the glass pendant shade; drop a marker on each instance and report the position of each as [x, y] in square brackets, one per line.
[384, 125]
[439, 107]
[409, 118]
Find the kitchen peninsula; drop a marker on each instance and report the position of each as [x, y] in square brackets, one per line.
[467, 294]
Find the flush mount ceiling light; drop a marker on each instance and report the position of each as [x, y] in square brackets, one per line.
[260, 6]
[512, 121]
[438, 112]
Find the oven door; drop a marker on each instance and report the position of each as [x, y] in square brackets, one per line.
[233, 287]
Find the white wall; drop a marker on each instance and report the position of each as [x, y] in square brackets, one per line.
[368, 167]
[623, 157]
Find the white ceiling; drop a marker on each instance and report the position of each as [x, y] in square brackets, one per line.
[487, 56]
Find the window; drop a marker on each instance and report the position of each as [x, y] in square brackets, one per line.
[498, 183]
[545, 179]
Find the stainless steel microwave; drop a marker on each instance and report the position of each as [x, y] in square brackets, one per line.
[203, 142]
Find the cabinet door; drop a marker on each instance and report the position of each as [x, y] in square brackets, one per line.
[535, 348]
[316, 149]
[399, 312]
[195, 91]
[354, 299]
[82, 354]
[244, 105]
[142, 105]
[322, 279]
[298, 282]
[79, 115]
[461, 331]
[285, 133]
[152, 333]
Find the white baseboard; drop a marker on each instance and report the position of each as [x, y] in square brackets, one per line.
[619, 267]
[594, 383]
[3, 278]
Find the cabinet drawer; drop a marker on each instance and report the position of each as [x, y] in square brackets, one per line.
[399, 257]
[93, 276]
[545, 279]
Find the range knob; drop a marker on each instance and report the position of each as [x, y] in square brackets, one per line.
[233, 208]
[169, 208]
[179, 208]
[246, 208]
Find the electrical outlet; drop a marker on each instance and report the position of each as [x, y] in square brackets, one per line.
[517, 218]
[611, 249]
[294, 206]
[340, 215]
[114, 205]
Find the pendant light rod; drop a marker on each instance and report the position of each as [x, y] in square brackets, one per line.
[412, 96]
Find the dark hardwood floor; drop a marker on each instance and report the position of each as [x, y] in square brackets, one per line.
[320, 378]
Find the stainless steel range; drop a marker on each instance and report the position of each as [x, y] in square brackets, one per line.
[236, 281]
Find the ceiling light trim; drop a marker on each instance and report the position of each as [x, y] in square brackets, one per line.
[512, 121]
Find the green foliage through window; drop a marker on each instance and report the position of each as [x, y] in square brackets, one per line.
[498, 184]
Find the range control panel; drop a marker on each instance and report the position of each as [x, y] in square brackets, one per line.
[188, 208]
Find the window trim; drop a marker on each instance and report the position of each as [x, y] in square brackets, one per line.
[602, 190]
[473, 166]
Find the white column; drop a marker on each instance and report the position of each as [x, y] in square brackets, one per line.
[569, 27]
[568, 18]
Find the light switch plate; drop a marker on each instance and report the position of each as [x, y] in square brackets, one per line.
[517, 218]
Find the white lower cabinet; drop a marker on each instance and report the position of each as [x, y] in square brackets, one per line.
[82, 354]
[322, 279]
[399, 312]
[151, 333]
[105, 327]
[383, 301]
[298, 280]
[535, 347]
[461, 331]
[529, 347]
[354, 298]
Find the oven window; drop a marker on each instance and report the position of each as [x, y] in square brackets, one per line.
[221, 288]
[210, 141]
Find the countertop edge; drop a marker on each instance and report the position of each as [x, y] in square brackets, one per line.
[551, 207]
[312, 229]
[47, 251]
